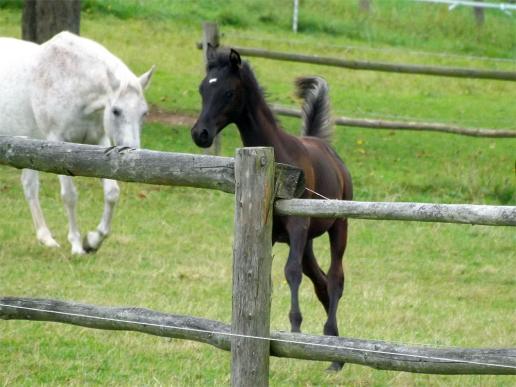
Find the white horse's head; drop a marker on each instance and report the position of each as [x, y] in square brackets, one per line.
[125, 111]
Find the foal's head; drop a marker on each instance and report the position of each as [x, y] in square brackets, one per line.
[222, 95]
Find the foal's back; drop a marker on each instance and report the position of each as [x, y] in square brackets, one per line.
[331, 176]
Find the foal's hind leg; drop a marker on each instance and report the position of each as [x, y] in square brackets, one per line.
[297, 229]
[338, 239]
[69, 196]
[30, 183]
[313, 271]
[94, 239]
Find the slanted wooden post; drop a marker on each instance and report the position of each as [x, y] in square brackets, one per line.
[210, 35]
[252, 261]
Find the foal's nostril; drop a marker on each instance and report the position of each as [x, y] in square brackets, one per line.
[204, 135]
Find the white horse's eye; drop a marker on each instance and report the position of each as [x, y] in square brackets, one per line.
[117, 112]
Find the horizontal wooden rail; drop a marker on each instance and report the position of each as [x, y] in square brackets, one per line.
[136, 165]
[375, 354]
[422, 212]
[404, 125]
[379, 66]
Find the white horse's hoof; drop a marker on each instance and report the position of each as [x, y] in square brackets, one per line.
[50, 243]
[92, 241]
[78, 250]
[47, 240]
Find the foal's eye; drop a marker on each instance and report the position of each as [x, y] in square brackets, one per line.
[228, 94]
[116, 112]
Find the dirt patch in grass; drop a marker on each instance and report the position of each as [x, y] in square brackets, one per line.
[157, 114]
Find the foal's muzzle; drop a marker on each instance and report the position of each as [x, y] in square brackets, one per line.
[201, 135]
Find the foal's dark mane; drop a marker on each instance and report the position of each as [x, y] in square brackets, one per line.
[256, 96]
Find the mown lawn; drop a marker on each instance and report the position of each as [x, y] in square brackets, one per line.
[171, 248]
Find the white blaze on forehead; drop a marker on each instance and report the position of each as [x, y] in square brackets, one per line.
[212, 80]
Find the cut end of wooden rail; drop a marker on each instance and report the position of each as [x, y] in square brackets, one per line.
[290, 181]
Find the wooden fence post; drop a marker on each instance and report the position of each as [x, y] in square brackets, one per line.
[252, 261]
[210, 35]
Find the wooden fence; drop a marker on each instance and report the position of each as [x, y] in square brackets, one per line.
[257, 181]
[211, 36]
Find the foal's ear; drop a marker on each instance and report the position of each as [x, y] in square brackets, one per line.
[145, 78]
[234, 59]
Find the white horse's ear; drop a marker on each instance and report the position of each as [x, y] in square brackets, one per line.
[145, 78]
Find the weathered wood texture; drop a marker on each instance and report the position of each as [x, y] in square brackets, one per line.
[375, 354]
[210, 35]
[136, 165]
[379, 66]
[423, 212]
[252, 262]
[404, 125]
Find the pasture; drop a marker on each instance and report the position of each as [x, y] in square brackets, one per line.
[170, 250]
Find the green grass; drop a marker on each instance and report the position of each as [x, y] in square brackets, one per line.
[171, 248]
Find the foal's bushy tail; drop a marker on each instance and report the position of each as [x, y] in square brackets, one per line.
[316, 107]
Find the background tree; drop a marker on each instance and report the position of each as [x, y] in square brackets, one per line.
[42, 19]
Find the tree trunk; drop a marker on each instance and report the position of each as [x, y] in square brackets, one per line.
[42, 19]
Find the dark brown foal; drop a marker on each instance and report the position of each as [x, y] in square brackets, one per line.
[231, 94]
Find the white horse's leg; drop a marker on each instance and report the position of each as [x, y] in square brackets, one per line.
[69, 196]
[94, 239]
[30, 183]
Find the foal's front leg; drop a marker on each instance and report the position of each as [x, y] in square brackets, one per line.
[297, 229]
[94, 239]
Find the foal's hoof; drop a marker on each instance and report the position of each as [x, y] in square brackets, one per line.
[335, 367]
[92, 241]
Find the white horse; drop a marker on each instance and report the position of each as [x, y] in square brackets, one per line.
[70, 89]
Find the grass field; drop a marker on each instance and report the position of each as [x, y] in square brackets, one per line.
[171, 248]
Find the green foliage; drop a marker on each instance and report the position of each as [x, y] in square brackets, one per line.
[11, 4]
[171, 248]
[402, 23]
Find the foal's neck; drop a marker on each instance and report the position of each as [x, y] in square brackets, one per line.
[257, 125]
